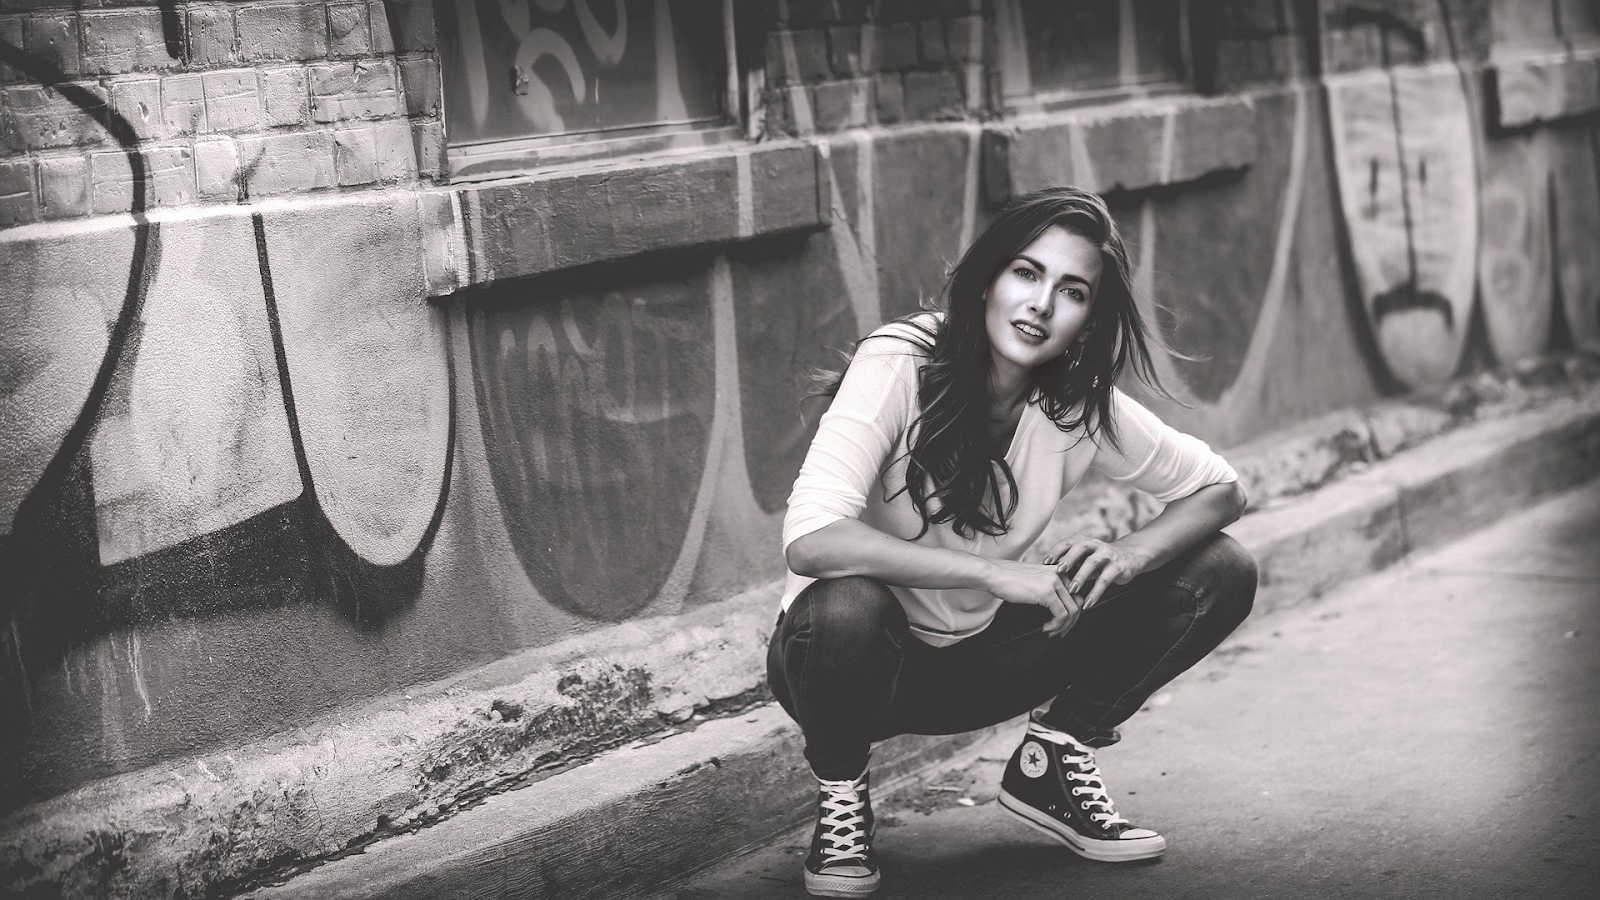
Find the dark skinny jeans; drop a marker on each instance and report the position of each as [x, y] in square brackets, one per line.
[846, 667]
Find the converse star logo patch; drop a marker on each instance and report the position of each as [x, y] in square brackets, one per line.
[1034, 761]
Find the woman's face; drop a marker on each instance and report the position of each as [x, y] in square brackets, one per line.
[1040, 300]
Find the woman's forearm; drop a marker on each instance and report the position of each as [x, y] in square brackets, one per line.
[1185, 522]
[852, 547]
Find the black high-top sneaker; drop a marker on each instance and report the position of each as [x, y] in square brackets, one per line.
[841, 862]
[1053, 784]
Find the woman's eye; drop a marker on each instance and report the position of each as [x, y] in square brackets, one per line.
[1024, 273]
[1075, 293]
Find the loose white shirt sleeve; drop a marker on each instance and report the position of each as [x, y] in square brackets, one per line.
[1155, 457]
[874, 406]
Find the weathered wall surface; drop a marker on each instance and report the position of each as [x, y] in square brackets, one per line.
[291, 422]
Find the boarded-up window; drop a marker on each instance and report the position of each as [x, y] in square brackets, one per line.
[1053, 50]
[567, 71]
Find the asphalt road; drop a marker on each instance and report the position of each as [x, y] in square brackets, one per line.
[1429, 731]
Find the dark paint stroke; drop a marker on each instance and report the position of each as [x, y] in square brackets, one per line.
[173, 32]
[57, 590]
[367, 592]
[1405, 297]
[52, 541]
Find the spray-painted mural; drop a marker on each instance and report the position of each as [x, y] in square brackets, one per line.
[265, 460]
[653, 60]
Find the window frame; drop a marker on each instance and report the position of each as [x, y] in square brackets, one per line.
[1018, 96]
[506, 157]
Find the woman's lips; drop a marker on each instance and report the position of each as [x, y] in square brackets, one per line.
[1030, 332]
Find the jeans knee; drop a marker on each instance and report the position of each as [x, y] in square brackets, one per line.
[1231, 575]
[851, 613]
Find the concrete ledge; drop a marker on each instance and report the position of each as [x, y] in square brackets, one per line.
[1422, 497]
[617, 827]
[531, 226]
[638, 817]
[1184, 138]
[218, 821]
[1526, 92]
[476, 233]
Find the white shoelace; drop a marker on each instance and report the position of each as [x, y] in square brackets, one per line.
[1102, 812]
[844, 826]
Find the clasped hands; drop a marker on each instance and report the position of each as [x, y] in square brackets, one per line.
[1073, 578]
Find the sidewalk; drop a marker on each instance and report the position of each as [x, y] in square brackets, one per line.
[1428, 731]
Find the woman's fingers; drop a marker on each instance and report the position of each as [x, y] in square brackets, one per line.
[1070, 609]
[1111, 574]
[1089, 570]
[1072, 555]
[1054, 555]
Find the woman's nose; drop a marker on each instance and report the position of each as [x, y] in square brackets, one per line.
[1039, 303]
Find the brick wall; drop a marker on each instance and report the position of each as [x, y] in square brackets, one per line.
[227, 101]
[831, 66]
[1257, 41]
[248, 99]
[1364, 35]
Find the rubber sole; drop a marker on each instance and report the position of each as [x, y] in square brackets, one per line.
[1099, 851]
[840, 885]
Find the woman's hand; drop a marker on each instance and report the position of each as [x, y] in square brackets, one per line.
[1090, 566]
[1037, 585]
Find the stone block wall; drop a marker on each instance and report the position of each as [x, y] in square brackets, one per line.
[851, 65]
[228, 101]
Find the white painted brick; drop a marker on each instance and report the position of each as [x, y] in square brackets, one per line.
[343, 92]
[43, 118]
[139, 101]
[183, 103]
[18, 202]
[355, 156]
[233, 100]
[428, 138]
[124, 41]
[298, 31]
[54, 39]
[64, 186]
[282, 163]
[395, 153]
[169, 178]
[212, 41]
[419, 79]
[216, 164]
[283, 93]
[348, 34]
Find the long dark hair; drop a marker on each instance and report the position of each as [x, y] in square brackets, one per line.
[950, 457]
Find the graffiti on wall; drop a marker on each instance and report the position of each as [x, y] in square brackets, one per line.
[1407, 183]
[1444, 216]
[518, 68]
[223, 451]
[596, 408]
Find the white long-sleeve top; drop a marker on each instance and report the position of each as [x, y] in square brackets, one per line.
[863, 433]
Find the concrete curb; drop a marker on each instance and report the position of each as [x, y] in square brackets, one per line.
[635, 818]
